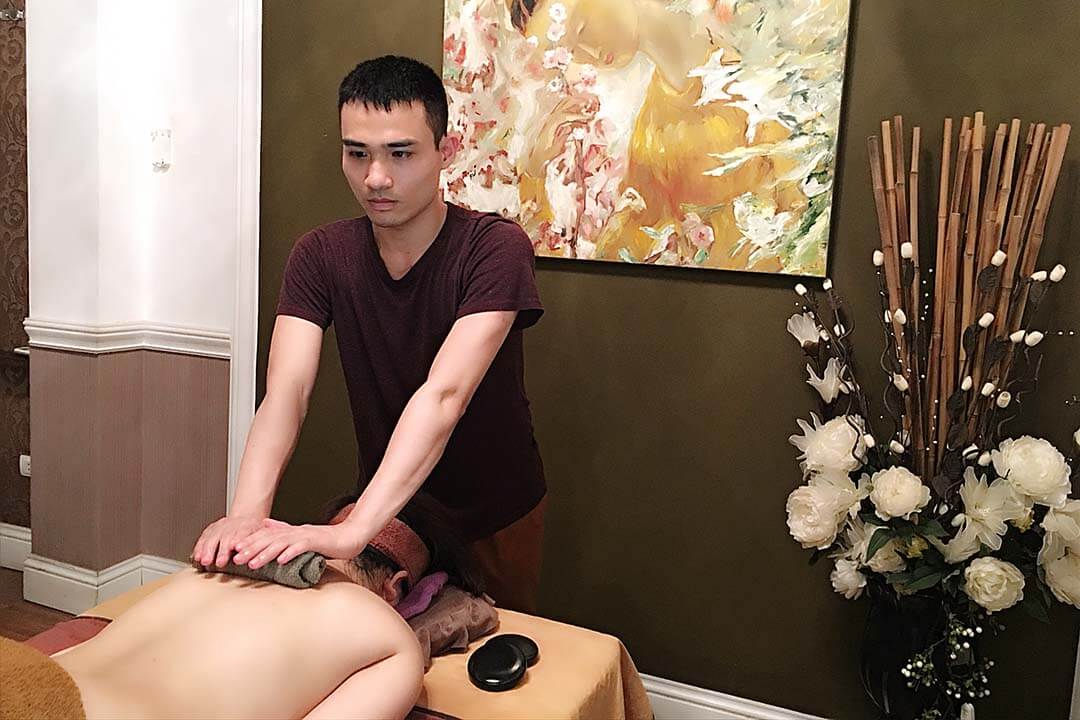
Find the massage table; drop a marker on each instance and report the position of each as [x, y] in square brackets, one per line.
[581, 674]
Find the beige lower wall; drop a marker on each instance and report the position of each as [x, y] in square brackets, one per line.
[130, 453]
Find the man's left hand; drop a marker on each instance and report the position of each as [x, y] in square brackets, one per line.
[280, 541]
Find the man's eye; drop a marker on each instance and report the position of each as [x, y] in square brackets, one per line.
[401, 154]
[357, 154]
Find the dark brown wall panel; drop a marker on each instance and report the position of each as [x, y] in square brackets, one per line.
[663, 398]
[14, 274]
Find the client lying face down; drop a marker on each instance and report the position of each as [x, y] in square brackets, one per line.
[215, 645]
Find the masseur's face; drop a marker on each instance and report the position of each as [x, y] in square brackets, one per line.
[391, 161]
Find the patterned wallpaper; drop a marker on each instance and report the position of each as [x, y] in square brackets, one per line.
[14, 275]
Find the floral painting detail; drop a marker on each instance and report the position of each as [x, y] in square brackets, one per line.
[694, 133]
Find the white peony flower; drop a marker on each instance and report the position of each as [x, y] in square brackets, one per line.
[897, 492]
[1062, 526]
[994, 584]
[988, 507]
[1063, 578]
[1035, 468]
[814, 515]
[829, 386]
[849, 496]
[803, 328]
[887, 559]
[836, 445]
[846, 579]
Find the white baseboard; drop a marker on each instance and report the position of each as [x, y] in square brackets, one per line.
[14, 546]
[74, 589]
[675, 701]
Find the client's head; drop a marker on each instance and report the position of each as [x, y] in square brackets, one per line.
[416, 543]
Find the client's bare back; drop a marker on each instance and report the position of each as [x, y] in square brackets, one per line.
[215, 645]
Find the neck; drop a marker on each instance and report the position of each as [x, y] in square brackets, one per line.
[414, 237]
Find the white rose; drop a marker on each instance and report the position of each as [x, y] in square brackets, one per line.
[1063, 578]
[814, 515]
[994, 584]
[847, 580]
[1035, 469]
[836, 445]
[897, 492]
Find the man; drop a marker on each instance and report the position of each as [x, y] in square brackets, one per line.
[335, 650]
[428, 301]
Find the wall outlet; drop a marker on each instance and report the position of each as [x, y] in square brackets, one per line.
[24, 465]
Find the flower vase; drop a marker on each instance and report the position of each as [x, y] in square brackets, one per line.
[898, 627]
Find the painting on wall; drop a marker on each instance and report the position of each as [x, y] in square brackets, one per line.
[693, 133]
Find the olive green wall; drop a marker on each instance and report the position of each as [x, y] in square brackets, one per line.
[663, 398]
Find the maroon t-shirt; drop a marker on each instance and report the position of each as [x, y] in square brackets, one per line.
[388, 332]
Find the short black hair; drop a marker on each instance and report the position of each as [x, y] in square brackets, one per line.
[428, 518]
[394, 80]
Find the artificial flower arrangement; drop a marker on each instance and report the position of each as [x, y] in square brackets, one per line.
[938, 516]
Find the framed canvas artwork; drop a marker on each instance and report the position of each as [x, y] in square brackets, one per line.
[695, 133]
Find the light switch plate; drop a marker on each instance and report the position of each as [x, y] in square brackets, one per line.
[24, 465]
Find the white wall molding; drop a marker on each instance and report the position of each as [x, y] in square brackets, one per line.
[75, 589]
[246, 320]
[118, 337]
[14, 546]
[676, 701]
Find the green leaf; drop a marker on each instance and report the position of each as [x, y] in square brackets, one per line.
[932, 528]
[926, 581]
[1033, 607]
[904, 529]
[881, 536]
[870, 517]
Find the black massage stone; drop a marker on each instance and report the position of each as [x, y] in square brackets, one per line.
[526, 645]
[496, 667]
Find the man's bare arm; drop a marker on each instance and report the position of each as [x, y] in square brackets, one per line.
[290, 377]
[415, 447]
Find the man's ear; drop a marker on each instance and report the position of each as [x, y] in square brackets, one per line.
[448, 148]
[393, 589]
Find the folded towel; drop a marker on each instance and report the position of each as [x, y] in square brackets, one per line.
[302, 571]
[35, 686]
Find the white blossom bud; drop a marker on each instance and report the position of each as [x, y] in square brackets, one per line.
[823, 334]
[966, 384]
[988, 389]
[1038, 276]
[888, 317]
[1004, 398]
[900, 382]
[999, 258]
[970, 451]
[942, 508]
[869, 441]
[958, 520]
[800, 289]
[1057, 273]
[1076, 437]
[984, 459]
[1017, 337]
[879, 258]
[986, 319]
[900, 317]
[906, 250]
[896, 447]
[839, 329]
[826, 284]
[1033, 338]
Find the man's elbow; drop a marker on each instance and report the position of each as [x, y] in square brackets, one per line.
[450, 401]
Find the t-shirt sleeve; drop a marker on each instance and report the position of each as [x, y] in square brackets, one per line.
[305, 289]
[500, 273]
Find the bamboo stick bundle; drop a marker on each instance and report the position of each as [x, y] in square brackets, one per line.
[987, 241]
[884, 229]
[971, 230]
[937, 308]
[949, 334]
[921, 418]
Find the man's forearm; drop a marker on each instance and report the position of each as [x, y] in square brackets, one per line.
[415, 447]
[270, 444]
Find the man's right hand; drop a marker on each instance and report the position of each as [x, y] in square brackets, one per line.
[218, 541]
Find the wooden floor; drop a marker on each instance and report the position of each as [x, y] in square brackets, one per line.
[20, 619]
